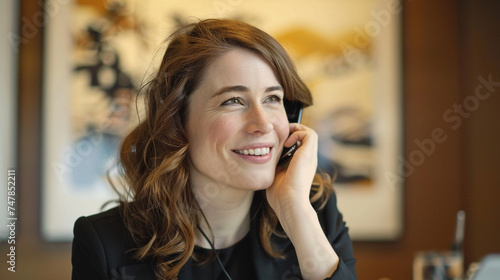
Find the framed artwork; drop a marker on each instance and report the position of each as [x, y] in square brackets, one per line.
[8, 120]
[348, 52]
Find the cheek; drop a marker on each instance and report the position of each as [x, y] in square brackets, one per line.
[211, 134]
[220, 130]
[282, 128]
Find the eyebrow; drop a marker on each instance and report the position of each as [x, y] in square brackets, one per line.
[274, 88]
[243, 89]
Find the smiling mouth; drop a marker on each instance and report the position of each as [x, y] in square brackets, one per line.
[254, 152]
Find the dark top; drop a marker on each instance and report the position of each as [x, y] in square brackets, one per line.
[102, 244]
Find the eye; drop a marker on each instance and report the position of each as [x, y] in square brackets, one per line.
[232, 101]
[273, 99]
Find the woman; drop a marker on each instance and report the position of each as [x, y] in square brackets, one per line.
[208, 198]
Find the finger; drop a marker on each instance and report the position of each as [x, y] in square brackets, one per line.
[297, 126]
[300, 136]
[293, 128]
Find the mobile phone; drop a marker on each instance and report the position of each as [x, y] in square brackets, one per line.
[293, 111]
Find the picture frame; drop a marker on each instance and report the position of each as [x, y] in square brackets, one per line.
[349, 54]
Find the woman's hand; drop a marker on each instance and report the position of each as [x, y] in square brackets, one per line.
[292, 185]
[289, 198]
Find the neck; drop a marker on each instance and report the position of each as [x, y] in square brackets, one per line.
[228, 215]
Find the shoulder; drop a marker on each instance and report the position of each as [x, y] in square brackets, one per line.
[104, 223]
[329, 209]
[101, 243]
[332, 221]
[337, 232]
[107, 227]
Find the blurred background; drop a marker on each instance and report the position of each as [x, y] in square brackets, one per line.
[450, 81]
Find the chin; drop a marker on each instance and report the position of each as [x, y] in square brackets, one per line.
[255, 183]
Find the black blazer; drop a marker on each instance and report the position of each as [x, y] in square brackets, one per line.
[102, 244]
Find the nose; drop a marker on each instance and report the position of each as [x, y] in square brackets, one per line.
[259, 121]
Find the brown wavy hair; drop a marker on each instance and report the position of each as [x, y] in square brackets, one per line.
[161, 211]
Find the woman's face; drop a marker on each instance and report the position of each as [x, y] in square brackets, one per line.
[236, 124]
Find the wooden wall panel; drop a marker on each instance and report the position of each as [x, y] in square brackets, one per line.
[480, 57]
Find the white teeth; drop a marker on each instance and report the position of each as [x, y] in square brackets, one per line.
[256, 152]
